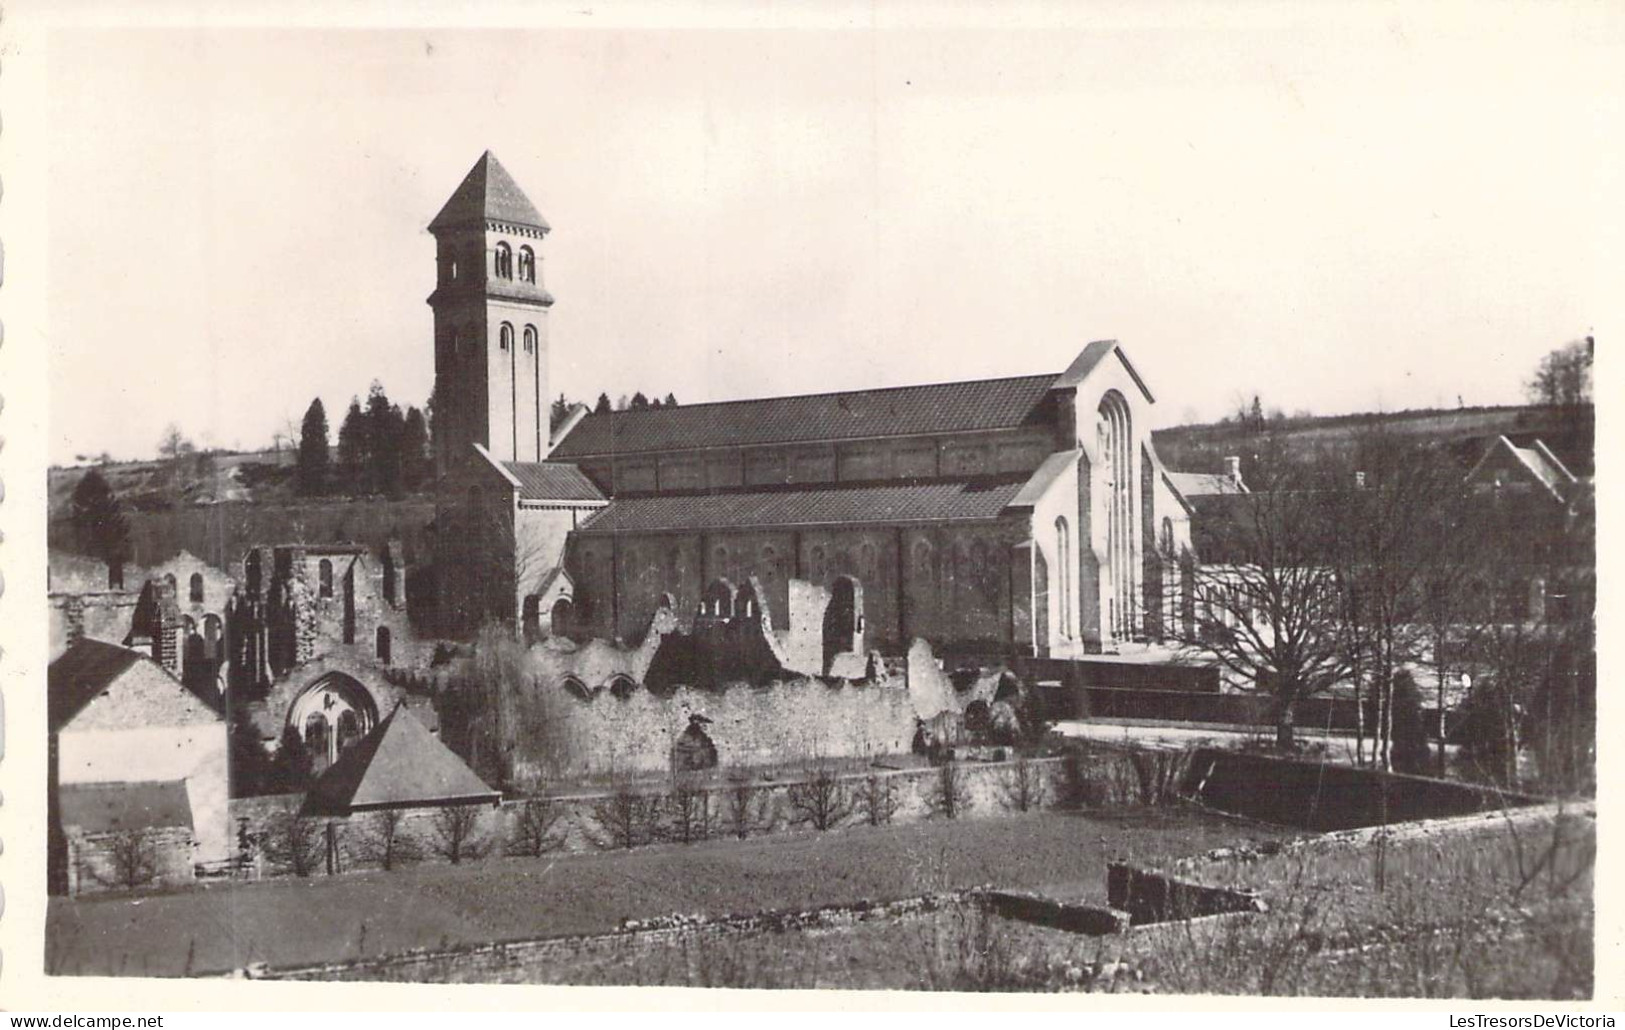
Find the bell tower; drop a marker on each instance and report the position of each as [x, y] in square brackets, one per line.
[490, 321]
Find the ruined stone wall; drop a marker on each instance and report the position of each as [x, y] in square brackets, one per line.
[952, 584]
[92, 862]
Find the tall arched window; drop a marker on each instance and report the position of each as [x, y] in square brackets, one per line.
[527, 265]
[505, 337]
[1114, 437]
[195, 590]
[1063, 575]
[530, 339]
[324, 573]
[383, 644]
[504, 262]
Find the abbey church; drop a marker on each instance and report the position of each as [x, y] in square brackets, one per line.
[1024, 516]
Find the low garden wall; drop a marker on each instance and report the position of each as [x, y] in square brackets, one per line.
[1320, 796]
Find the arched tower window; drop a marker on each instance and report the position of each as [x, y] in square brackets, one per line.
[383, 644]
[505, 337]
[1063, 575]
[504, 261]
[527, 265]
[195, 588]
[324, 575]
[530, 339]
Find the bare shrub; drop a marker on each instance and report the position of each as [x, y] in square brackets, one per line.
[950, 795]
[292, 842]
[750, 809]
[626, 819]
[132, 860]
[1024, 786]
[821, 801]
[536, 830]
[688, 804]
[878, 800]
[456, 830]
[383, 842]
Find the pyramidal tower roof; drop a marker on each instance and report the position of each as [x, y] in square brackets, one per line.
[398, 765]
[488, 194]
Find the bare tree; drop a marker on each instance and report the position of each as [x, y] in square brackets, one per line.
[626, 818]
[382, 840]
[750, 808]
[820, 801]
[293, 841]
[1564, 376]
[877, 799]
[1025, 787]
[1386, 542]
[456, 830]
[950, 794]
[536, 829]
[1266, 605]
[132, 860]
[688, 804]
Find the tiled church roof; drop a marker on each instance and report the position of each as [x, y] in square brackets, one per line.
[837, 504]
[826, 417]
[488, 193]
[551, 481]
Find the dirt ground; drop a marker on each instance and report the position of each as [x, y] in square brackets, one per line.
[225, 926]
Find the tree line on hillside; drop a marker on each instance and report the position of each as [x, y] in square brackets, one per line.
[381, 449]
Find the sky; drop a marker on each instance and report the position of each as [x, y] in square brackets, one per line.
[1346, 210]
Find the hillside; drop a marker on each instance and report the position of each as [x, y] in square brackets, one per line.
[1465, 431]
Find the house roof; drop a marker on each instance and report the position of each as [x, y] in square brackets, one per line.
[82, 672]
[112, 807]
[937, 500]
[1203, 484]
[400, 764]
[983, 404]
[1537, 459]
[488, 193]
[551, 481]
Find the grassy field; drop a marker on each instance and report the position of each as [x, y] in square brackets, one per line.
[226, 926]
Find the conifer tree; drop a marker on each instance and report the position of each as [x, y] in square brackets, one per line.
[313, 450]
[603, 406]
[415, 464]
[99, 526]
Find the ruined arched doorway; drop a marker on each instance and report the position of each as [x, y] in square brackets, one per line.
[718, 600]
[694, 751]
[560, 618]
[843, 619]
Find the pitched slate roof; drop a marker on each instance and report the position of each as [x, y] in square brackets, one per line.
[1538, 459]
[400, 764]
[488, 193]
[896, 411]
[946, 500]
[89, 667]
[551, 481]
[1203, 484]
[112, 807]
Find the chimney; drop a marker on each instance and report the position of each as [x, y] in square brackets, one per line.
[1232, 469]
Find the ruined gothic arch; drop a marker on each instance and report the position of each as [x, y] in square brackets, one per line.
[717, 601]
[317, 715]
